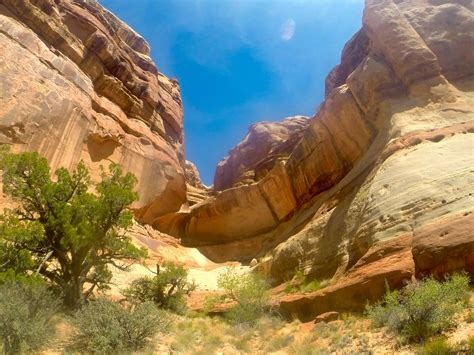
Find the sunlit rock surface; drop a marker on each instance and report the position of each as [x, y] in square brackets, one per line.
[77, 83]
[380, 185]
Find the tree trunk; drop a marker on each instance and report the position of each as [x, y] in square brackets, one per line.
[73, 293]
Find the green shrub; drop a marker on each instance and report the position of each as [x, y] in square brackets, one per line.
[26, 317]
[470, 316]
[106, 327]
[300, 283]
[437, 346]
[422, 308]
[167, 289]
[248, 292]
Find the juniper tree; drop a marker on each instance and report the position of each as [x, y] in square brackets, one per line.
[65, 228]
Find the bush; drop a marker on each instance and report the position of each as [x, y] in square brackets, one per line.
[301, 283]
[470, 317]
[26, 317]
[106, 327]
[248, 292]
[437, 346]
[167, 289]
[422, 308]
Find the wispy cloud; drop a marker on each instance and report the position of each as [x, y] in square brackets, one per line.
[288, 30]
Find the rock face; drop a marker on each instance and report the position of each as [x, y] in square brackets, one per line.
[376, 187]
[264, 145]
[77, 83]
[379, 187]
[196, 190]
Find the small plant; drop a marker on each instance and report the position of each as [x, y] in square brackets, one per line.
[248, 292]
[300, 283]
[279, 342]
[422, 308]
[438, 346]
[167, 289]
[106, 327]
[306, 346]
[341, 341]
[470, 316]
[26, 317]
[471, 345]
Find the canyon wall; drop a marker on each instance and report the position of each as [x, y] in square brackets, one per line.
[77, 83]
[379, 186]
[257, 154]
[376, 187]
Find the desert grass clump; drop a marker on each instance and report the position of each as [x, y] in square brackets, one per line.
[26, 317]
[306, 346]
[470, 316]
[105, 327]
[438, 346]
[423, 308]
[278, 342]
[301, 283]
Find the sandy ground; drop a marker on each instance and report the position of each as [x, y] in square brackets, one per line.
[162, 248]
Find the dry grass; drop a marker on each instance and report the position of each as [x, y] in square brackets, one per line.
[196, 333]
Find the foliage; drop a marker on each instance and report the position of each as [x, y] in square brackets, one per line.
[311, 286]
[248, 293]
[61, 230]
[105, 327]
[470, 316]
[301, 283]
[167, 289]
[422, 308]
[438, 346]
[26, 317]
[278, 342]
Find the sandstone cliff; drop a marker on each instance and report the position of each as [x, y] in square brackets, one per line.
[77, 83]
[256, 155]
[375, 187]
[379, 188]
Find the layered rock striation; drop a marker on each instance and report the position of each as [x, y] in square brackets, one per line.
[77, 83]
[264, 145]
[379, 187]
[376, 187]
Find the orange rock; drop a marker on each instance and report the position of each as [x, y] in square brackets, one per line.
[77, 83]
[256, 155]
[326, 317]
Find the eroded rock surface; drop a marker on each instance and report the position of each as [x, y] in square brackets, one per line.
[376, 187]
[379, 187]
[264, 145]
[77, 83]
[196, 191]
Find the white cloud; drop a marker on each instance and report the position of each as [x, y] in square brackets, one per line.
[288, 30]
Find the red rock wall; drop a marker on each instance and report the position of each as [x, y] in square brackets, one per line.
[379, 186]
[77, 83]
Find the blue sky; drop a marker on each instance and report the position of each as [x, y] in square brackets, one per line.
[241, 61]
